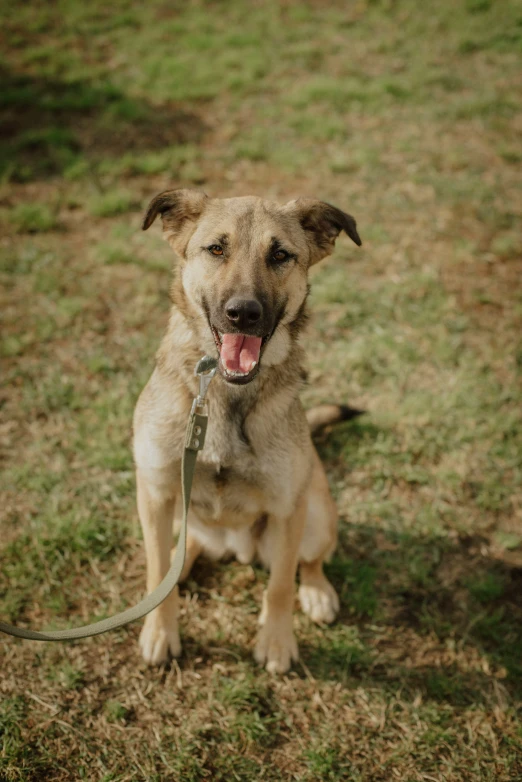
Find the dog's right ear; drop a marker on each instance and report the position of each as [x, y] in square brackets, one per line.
[179, 210]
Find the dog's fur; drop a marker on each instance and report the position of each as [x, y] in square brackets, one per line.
[259, 487]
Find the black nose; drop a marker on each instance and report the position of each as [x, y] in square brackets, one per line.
[243, 312]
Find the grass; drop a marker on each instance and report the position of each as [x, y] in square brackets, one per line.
[110, 204]
[408, 118]
[32, 218]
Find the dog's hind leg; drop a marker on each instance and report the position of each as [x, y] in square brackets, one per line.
[156, 502]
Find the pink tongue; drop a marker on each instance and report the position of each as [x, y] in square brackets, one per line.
[239, 352]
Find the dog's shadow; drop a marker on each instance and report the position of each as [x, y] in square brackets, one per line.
[434, 614]
[439, 617]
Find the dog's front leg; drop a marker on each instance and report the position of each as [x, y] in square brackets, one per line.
[160, 633]
[276, 645]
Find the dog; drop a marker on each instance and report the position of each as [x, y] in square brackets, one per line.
[240, 295]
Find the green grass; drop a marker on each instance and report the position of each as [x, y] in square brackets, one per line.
[408, 118]
[31, 218]
[110, 204]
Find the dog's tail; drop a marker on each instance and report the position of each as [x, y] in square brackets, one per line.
[326, 415]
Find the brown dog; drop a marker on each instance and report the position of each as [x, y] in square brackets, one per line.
[259, 488]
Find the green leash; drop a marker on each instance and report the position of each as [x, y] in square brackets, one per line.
[194, 442]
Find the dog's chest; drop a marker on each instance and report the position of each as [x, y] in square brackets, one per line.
[232, 485]
[225, 497]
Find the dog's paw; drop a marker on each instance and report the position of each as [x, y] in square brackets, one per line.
[276, 646]
[319, 601]
[158, 642]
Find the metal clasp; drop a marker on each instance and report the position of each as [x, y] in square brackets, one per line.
[205, 369]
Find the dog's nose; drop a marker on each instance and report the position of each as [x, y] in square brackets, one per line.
[243, 312]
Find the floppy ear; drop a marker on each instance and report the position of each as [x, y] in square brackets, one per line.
[323, 223]
[179, 210]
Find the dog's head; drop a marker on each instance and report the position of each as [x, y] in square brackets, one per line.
[244, 270]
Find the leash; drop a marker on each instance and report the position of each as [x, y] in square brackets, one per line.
[194, 442]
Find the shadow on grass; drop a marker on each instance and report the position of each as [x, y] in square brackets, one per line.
[423, 615]
[49, 125]
[336, 449]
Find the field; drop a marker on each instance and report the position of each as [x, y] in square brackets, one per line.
[406, 115]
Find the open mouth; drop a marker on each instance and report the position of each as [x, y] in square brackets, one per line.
[239, 355]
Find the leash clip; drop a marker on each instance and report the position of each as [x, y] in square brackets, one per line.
[205, 369]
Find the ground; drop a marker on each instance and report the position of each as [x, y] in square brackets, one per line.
[407, 116]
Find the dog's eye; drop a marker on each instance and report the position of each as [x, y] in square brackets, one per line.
[280, 256]
[215, 249]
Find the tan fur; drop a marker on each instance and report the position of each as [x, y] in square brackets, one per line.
[259, 487]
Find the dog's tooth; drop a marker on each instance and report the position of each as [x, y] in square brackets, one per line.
[237, 373]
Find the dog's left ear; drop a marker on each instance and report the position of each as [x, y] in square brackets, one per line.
[323, 223]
